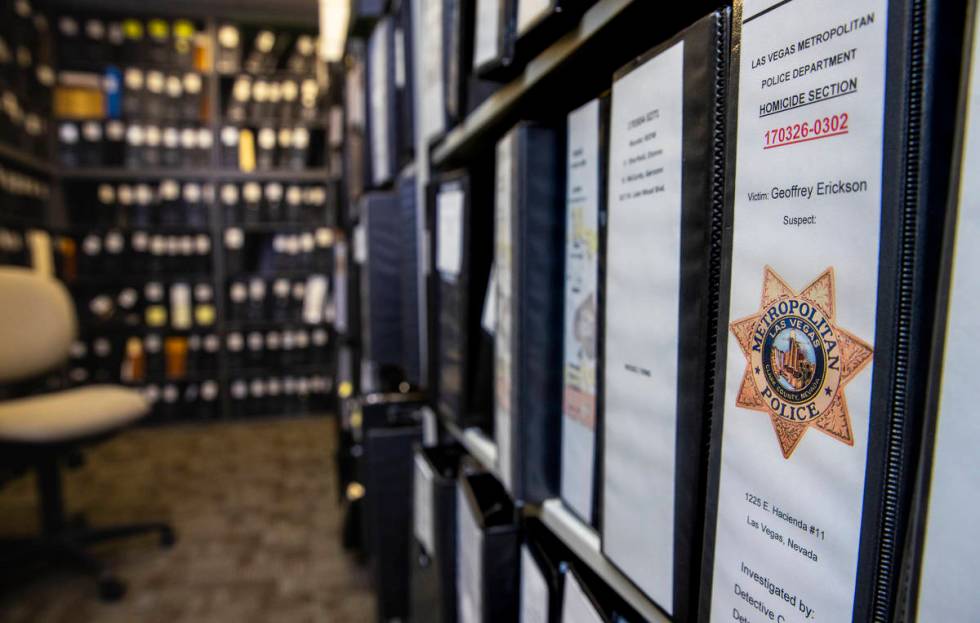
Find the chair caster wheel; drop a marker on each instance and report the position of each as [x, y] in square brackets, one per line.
[167, 537]
[111, 589]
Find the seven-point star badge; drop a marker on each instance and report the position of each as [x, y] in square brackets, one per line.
[799, 360]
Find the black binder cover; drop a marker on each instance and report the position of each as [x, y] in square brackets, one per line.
[499, 66]
[382, 277]
[520, 45]
[460, 346]
[529, 385]
[943, 587]
[918, 45]
[703, 64]
[410, 280]
[404, 51]
[464, 90]
[548, 561]
[434, 572]
[388, 499]
[482, 500]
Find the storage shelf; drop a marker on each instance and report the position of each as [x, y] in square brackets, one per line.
[17, 156]
[229, 175]
[584, 542]
[476, 442]
[494, 110]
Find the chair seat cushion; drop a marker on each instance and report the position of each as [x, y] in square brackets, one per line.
[70, 415]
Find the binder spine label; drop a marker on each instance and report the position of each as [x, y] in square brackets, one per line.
[504, 333]
[806, 220]
[449, 233]
[424, 526]
[380, 101]
[642, 331]
[581, 309]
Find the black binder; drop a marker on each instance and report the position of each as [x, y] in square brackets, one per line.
[922, 46]
[942, 587]
[460, 354]
[387, 479]
[381, 279]
[542, 557]
[528, 388]
[523, 38]
[488, 546]
[433, 565]
[410, 282]
[582, 591]
[632, 530]
[404, 63]
[464, 90]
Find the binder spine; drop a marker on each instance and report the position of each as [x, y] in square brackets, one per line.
[718, 176]
[895, 454]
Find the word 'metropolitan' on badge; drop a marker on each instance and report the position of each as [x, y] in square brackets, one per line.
[799, 360]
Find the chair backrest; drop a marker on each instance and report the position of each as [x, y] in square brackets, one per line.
[37, 323]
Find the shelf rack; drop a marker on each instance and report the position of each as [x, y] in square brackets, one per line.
[17, 156]
[584, 542]
[204, 173]
[477, 444]
[580, 538]
[493, 113]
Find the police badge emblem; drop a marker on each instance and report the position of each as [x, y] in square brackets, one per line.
[799, 360]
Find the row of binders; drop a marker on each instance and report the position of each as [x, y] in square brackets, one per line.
[720, 311]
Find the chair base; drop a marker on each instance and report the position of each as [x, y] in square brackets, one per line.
[69, 549]
[63, 539]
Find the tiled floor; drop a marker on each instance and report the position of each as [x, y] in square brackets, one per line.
[254, 505]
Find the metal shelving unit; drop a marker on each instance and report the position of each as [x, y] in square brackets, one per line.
[492, 115]
[584, 542]
[27, 161]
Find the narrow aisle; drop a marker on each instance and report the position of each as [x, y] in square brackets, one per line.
[254, 505]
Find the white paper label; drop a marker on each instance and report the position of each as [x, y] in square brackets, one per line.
[469, 580]
[433, 112]
[487, 47]
[503, 332]
[430, 428]
[340, 286]
[534, 590]
[581, 307]
[423, 509]
[947, 584]
[576, 605]
[399, 58]
[489, 318]
[315, 299]
[180, 306]
[355, 94]
[802, 309]
[529, 12]
[379, 97]
[449, 232]
[642, 308]
[360, 244]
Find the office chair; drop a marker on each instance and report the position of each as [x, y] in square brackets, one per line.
[42, 432]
